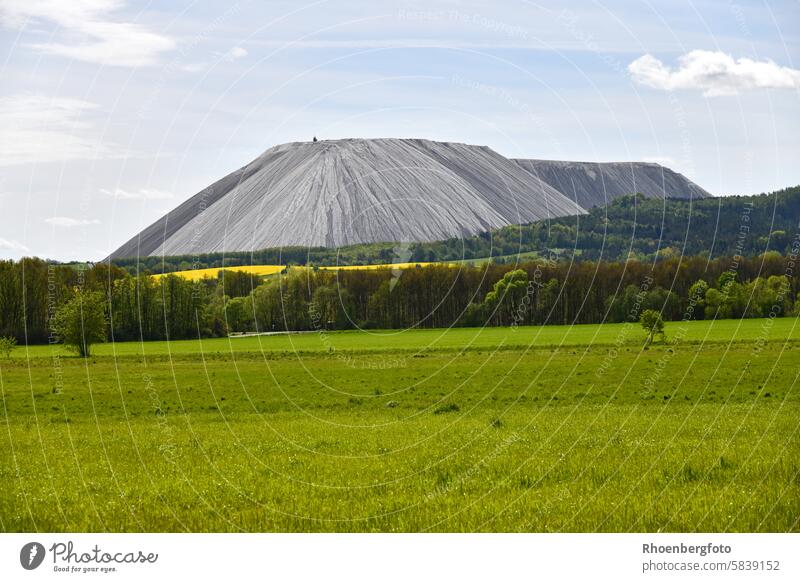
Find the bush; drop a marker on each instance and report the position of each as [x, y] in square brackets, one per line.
[7, 345]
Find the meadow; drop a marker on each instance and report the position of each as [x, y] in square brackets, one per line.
[543, 429]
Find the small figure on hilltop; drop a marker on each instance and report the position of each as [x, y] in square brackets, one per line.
[315, 139]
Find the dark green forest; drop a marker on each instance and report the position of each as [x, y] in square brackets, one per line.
[33, 293]
[631, 227]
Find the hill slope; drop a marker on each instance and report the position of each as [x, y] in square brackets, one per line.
[344, 192]
[593, 184]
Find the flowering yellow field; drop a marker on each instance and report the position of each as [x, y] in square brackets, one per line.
[198, 274]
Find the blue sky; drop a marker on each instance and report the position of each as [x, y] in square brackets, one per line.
[114, 112]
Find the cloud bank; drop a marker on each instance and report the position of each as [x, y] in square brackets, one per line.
[68, 222]
[35, 128]
[91, 33]
[12, 245]
[143, 194]
[714, 73]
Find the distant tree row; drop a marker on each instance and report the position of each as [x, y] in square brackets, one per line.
[535, 293]
[42, 302]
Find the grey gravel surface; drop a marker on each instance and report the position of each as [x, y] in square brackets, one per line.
[342, 192]
[597, 184]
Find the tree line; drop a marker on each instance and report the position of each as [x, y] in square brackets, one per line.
[40, 302]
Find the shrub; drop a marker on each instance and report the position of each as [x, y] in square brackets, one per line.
[7, 345]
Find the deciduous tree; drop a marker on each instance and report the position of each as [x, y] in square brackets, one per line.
[81, 322]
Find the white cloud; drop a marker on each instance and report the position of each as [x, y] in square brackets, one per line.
[12, 246]
[143, 194]
[68, 222]
[88, 33]
[194, 67]
[237, 52]
[233, 54]
[713, 72]
[35, 128]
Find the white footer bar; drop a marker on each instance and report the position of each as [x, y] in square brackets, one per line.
[389, 557]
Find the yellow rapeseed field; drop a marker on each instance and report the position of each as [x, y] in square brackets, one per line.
[198, 274]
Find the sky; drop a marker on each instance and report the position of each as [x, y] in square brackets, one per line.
[113, 112]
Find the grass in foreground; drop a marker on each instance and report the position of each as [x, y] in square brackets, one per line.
[608, 335]
[589, 436]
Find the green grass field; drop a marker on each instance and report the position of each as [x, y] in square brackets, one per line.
[529, 429]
